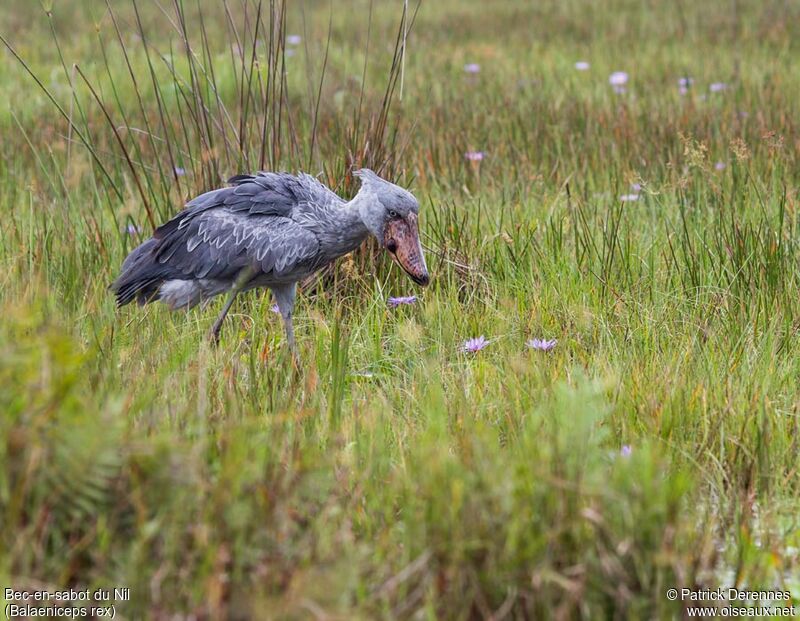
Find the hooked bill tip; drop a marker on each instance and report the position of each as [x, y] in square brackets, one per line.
[422, 281]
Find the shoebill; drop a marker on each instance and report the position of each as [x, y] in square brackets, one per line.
[268, 230]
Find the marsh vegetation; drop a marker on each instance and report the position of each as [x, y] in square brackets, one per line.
[618, 177]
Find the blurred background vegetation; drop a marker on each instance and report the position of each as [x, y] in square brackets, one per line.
[651, 229]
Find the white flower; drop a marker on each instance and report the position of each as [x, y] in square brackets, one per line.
[293, 39]
[365, 374]
[582, 65]
[626, 198]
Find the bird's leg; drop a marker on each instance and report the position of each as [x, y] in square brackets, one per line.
[241, 280]
[284, 296]
[215, 329]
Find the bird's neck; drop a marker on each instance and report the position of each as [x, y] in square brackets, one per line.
[345, 230]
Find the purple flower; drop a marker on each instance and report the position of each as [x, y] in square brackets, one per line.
[472, 68]
[582, 65]
[618, 78]
[180, 172]
[719, 166]
[395, 302]
[717, 87]
[685, 82]
[626, 450]
[274, 308]
[636, 187]
[474, 156]
[293, 39]
[542, 344]
[133, 230]
[472, 346]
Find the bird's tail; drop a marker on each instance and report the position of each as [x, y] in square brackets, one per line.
[145, 279]
[141, 277]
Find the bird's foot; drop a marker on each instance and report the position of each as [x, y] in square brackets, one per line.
[297, 364]
[213, 335]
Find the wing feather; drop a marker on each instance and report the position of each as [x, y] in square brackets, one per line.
[248, 224]
[269, 221]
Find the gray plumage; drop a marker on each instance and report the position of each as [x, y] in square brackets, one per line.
[266, 230]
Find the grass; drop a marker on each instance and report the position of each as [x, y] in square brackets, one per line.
[396, 476]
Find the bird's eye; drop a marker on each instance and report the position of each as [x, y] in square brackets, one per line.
[393, 214]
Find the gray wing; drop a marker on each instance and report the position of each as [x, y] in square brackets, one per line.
[282, 189]
[250, 224]
[310, 190]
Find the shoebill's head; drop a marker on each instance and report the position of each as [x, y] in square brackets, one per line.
[391, 215]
